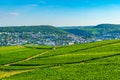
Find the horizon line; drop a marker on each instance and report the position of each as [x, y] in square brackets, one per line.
[57, 25]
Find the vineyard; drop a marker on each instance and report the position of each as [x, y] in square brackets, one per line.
[90, 61]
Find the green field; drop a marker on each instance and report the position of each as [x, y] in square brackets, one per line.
[90, 61]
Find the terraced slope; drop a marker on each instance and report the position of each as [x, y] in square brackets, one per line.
[16, 53]
[92, 61]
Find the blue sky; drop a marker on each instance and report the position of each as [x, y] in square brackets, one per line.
[59, 12]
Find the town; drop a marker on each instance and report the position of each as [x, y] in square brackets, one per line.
[17, 38]
[50, 35]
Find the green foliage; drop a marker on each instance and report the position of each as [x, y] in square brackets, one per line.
[42, 28]
[80, 32]
[73, 72]
[89, 31]
[76, 55]
[91, 61]
[16, 53]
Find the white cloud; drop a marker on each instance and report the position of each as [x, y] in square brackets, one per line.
[14, 13]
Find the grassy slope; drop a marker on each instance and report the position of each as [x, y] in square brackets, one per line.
[93, 61]
[16, 53]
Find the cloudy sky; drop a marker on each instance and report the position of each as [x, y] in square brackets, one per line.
[59, 12]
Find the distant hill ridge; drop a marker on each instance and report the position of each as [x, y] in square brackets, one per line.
[99, 25]
[108, 26]
[101, 29]
[39, 28]
[85, 31]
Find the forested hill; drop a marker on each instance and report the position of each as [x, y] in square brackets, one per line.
[110, 26]
[112, 30]
[50, 35]
[80, 32]
[42, 35]
[42, 28]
